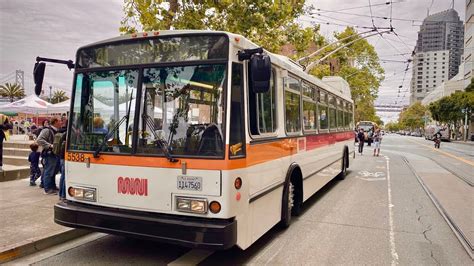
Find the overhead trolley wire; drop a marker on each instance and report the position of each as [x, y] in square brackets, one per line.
[380, 17]
[357, 7]
[371, 16]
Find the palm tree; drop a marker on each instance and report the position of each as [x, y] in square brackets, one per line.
[12, 91]
[59, 96]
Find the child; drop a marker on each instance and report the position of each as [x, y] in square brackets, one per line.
[33, 158]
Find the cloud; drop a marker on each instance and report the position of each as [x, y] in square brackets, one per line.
[55, 29]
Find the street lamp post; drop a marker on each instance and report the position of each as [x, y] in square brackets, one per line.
[465, 111]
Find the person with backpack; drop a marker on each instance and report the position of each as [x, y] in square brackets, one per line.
[61, 150]
[46, 140]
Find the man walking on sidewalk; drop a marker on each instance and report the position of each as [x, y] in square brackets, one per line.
[361, 138]
[51, 160]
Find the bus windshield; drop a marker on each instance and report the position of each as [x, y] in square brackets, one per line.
[181, 106]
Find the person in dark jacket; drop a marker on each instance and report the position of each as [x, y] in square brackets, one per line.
[51, 160]
[62, 180]
[4, 126]
[361, 138]
[33, 158]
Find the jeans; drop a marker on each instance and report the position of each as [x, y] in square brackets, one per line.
[62, 181]
[35, 173]
[51, 167]
[361, 146]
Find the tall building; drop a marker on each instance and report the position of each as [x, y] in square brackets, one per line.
[440, 33]
[430, 69]
[468, 42]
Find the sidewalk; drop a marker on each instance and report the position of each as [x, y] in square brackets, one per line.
[26, 220]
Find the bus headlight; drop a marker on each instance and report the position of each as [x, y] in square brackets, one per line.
[193, 205]
[82, 193]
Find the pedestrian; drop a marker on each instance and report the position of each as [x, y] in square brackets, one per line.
[361, 138]
[61, 153]
[33, 158]
[51, 160]
[369, 137]
[377, 140]
[5, 126]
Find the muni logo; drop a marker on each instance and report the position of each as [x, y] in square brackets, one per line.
[132, 186]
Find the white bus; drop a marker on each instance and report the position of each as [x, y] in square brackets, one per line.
[197, 138]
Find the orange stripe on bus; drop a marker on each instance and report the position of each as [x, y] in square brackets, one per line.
[256, 154]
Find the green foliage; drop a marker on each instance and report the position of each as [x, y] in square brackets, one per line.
[270, 24]
[392, 126]
[413, 117]
[59, 96]
[12, 91]
[360, 67]
[449, 109]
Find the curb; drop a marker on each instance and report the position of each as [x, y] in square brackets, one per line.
[30, 246]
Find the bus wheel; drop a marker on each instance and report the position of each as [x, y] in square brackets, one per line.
[287, 204]
[344, 164]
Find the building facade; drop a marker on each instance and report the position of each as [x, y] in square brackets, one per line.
[430, 69]
[468, 42]
[440, 32]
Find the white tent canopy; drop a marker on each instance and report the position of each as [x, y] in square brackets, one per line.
[64, 107]
[31, 105]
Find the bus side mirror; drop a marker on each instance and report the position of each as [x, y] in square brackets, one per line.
[38, 74]
[260, 72]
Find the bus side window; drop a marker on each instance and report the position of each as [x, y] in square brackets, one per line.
[236, 133]
[262, 111]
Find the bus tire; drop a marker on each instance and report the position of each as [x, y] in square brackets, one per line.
[344, 164]
[287, 204]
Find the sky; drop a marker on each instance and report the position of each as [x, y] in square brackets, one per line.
[56, 28]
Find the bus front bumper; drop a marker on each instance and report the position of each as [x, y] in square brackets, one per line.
[180, 230]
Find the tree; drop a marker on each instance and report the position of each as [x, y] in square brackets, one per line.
[470, 87]
[449, 109]
[59, 96]
[392, 126]
[413, 117]
[12, 91]
[360, 67]
[270, 24]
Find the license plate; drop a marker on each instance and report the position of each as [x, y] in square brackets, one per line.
[193, 183]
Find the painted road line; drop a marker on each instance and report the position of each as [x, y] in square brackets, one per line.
[393, 249]
[193, 257]
[446, 153]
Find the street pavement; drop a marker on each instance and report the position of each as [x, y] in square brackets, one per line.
[26, 220]
[390, 209]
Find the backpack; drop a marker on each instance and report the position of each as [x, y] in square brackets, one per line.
[58, 143]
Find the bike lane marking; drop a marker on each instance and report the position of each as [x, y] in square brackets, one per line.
[446, 153]
[393, 249]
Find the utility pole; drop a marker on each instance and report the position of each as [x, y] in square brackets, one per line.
[50, 88]
[465, 111]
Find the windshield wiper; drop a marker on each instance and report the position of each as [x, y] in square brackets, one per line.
[117, 125]
[161, 142]
[110, 134]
